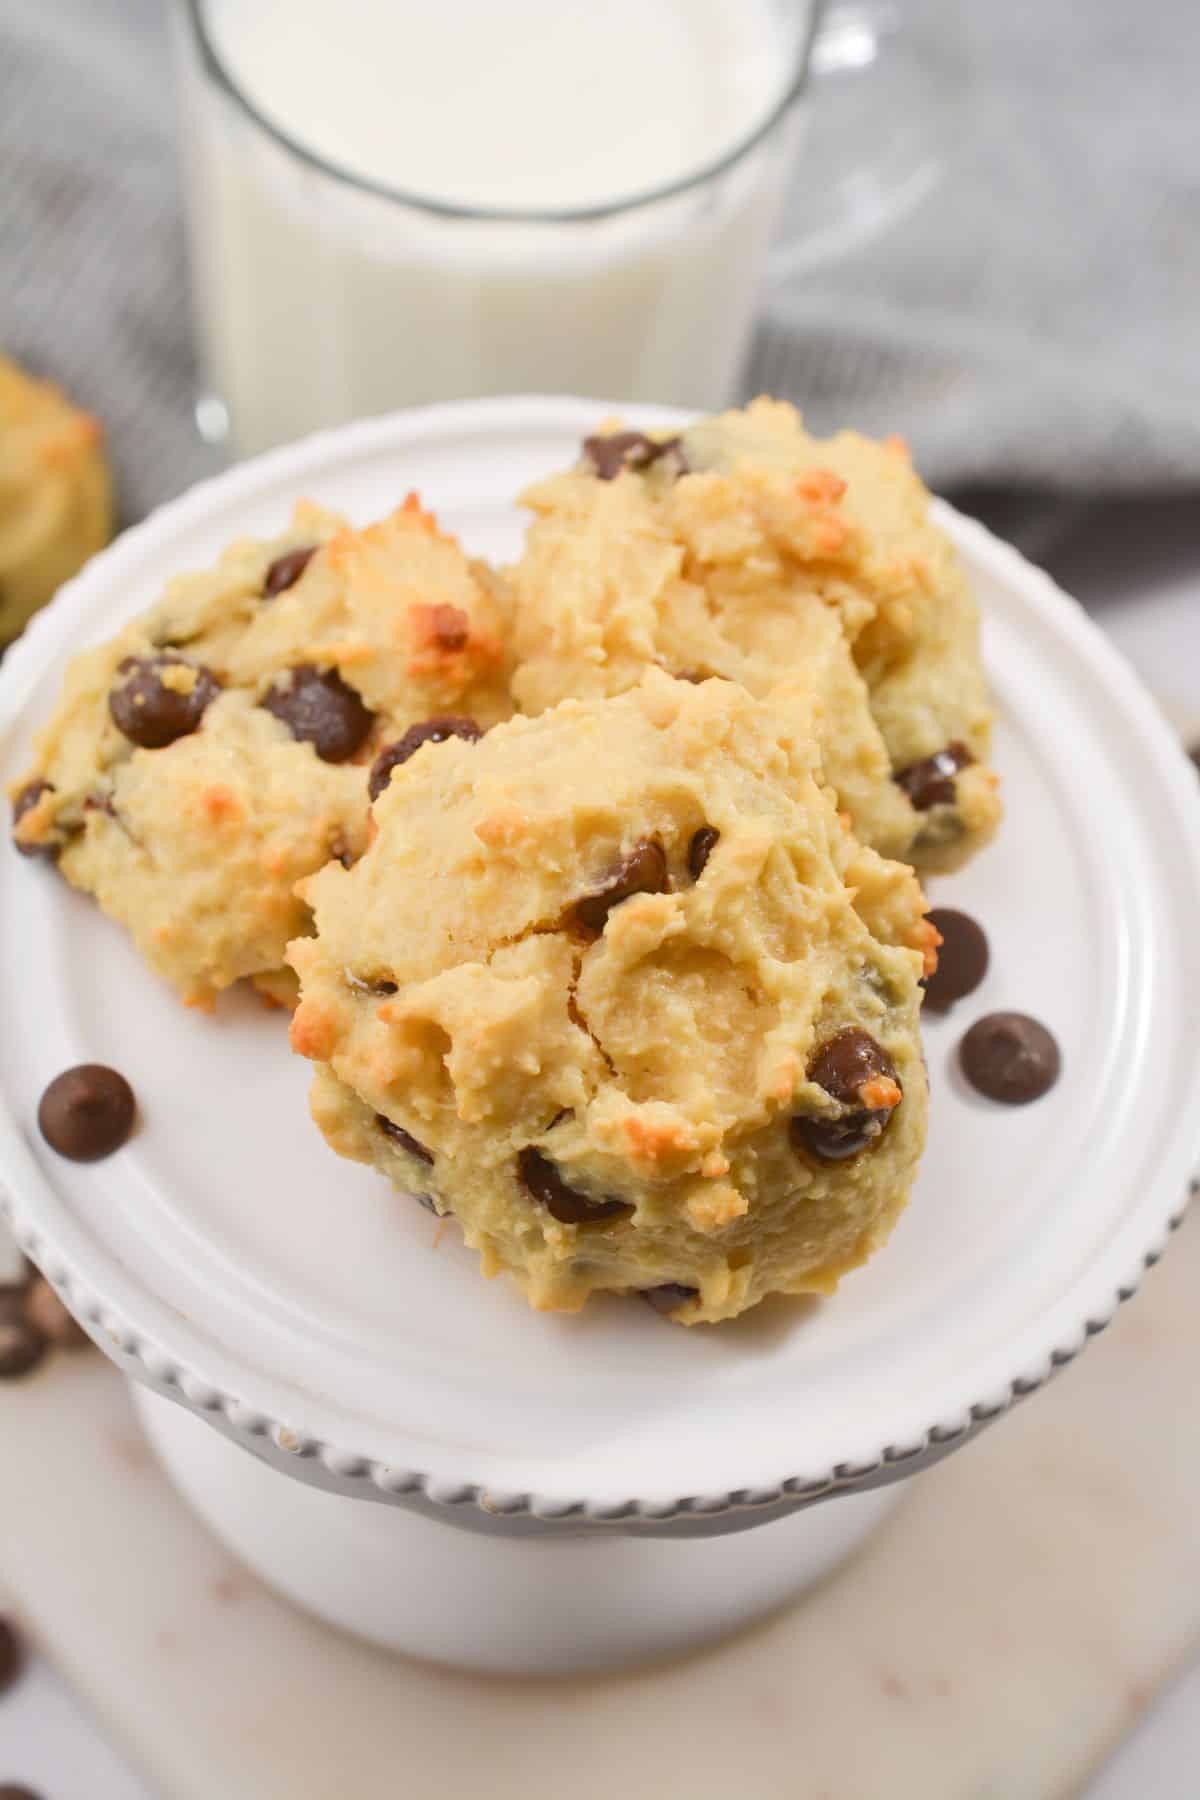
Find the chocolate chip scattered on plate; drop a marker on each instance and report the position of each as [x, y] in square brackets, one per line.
[962, 958]
[1010, 1057]
[87, 1112]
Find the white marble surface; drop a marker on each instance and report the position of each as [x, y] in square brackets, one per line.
[1056, 1563]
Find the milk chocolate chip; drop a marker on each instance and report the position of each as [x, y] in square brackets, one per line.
[318, 708]
[287, 569]
[962, 958]
[86, 1112]
[630, 450]
[404, 1139]
[931, 782]
[24, 802]
[431, 731]
[566, 1204]
[700, 849]
[1010, 1057]
[643, 871]
[844, 1066]
[161, 698]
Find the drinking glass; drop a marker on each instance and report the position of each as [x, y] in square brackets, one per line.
[321, 295]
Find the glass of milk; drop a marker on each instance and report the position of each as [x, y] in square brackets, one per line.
[399, 201]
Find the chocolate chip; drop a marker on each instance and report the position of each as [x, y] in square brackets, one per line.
[1010, 1057]
[23, 1345]
[931, 782]
[318, 708]
[404, 1139]
[432, 731]
[381, 985]
[668, 1295]
[619, 450]
[700, 849]
[287, 569]
[566, 1204]
[843, 1066]
[13, 1790]
[1194, 753]
[24, 802]
[101, 803]
[153, 714]
[643, 871]
[86, 1112]
[962, 959]
[11, 1656]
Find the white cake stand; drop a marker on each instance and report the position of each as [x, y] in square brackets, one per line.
[606, 1466]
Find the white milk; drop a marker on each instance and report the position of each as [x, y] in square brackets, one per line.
[319, 300]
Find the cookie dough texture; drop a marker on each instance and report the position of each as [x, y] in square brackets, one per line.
[603, 1094]
[796, 566]
[287, 673]
[55, 494]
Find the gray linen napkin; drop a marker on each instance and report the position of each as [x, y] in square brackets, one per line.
[1033, 322]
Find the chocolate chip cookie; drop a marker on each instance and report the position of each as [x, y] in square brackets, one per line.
[745, 548]
[219, 749]
[618, 989]
[55, 493]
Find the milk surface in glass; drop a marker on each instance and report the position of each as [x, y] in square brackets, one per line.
[321, 298]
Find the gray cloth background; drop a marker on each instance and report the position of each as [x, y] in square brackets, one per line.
[1034, 322]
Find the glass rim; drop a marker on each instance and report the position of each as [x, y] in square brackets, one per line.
[520, 215]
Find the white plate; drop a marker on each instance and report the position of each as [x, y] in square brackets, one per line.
[232, 1257]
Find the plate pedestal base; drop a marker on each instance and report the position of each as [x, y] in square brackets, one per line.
[550, 1604]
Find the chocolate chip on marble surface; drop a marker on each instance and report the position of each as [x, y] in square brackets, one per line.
[700, 849]
[963, 958]
[667, 1295]
[12, 1657]
[13, 1790]
[1010, 1057]
[619, 450]
[86, 1112]
[287, 569]
[24, 802]
[643, 871]
[320, 709]
[844, 1066]
[544, 1181]
[404, 1139]
[160, 698]
[430, 731]
[931, 782]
